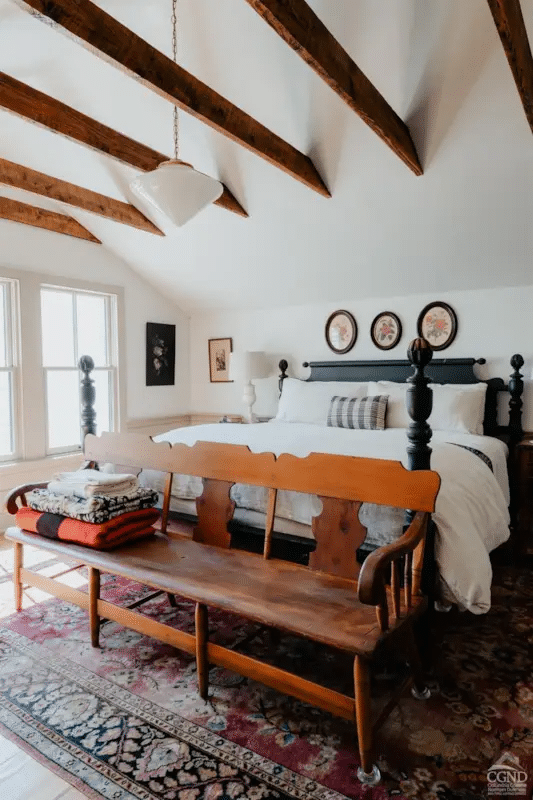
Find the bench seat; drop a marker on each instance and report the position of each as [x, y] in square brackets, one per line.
[282, 595]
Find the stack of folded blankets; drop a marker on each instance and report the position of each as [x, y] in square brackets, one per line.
[92, 508]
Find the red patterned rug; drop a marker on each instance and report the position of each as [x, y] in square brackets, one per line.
[125, 722]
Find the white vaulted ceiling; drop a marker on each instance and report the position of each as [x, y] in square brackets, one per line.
[439, 63]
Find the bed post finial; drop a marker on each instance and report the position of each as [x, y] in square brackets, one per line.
[88, 396]
[283, 374]
[516, 387]
[419, 404]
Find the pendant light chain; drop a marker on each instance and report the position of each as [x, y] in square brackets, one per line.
[175, 56]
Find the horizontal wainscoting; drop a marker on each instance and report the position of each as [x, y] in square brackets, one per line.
[156, 425]
[21, 472]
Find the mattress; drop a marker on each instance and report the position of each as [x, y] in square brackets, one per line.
[471, 513]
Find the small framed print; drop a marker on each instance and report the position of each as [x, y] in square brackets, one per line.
[386, 330]
[341, 331]
[219, 355]
[437, 323]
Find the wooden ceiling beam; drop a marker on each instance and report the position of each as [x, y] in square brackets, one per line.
[509, 21]
[16, 211]
[106, 37]
[301, 29]
[37, 182]
[35, 106]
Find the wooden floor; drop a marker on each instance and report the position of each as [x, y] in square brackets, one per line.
[21, 777]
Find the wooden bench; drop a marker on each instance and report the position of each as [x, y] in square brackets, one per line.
[334, 601]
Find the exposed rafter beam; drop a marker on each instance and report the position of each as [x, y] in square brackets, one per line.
[31, 181]
[510, 24]
[106, 37]
[16, 211]
[56, 116]
[300, 27]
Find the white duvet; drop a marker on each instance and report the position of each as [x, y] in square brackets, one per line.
[471, 513]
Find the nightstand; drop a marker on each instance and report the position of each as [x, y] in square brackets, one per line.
[524, 492]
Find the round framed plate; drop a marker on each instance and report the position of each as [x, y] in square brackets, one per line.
[341, 331]
[437, 323]
[386, 330]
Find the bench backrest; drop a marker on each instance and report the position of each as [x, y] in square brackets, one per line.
[343, 483]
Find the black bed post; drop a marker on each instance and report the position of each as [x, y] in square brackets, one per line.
[419, 404]
[283, 374]
[516, 388]
[88, 396]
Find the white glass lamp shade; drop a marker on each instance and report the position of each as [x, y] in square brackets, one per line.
[249, 365]
[176, 190]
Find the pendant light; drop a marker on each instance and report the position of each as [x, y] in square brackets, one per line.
[175, 189]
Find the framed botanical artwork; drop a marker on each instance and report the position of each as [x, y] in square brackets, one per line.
[160, 354]
[219, 353]
[341, 331]
[386, 330]
[437, 323]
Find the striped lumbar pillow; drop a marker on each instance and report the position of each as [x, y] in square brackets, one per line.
[363, 413]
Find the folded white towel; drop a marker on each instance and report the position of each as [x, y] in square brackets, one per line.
[88, 490]
[94, 476]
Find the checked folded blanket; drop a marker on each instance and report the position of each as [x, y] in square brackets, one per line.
[126, 528]
[96, 509]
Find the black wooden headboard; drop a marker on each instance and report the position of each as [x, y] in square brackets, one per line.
[439, 370]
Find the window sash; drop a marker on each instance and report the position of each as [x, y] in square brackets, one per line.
[112, 404]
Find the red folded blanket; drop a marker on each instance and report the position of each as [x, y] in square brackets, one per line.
[125, 528]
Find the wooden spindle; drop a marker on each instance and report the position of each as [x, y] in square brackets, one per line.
[166, 502]
[395, 587]
[269, 526]
[382, 611]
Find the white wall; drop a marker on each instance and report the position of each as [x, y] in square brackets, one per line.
[26, 248]
[492, 324]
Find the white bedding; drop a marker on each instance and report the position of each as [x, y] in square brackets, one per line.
[471, 513]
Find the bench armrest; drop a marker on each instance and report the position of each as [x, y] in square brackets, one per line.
[20, 493]
[372, 577]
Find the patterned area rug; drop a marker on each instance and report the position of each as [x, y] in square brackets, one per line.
[125, 722]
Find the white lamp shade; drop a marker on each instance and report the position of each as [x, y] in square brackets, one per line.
[176, 190]
[249, 365]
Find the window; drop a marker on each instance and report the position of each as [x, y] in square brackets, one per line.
[77, 323]
[9, 427]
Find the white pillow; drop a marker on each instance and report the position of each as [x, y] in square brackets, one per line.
[308, 401]
[457, 407]
[397, 416]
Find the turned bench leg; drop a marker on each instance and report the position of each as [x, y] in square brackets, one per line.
[17, 566]
[367, 773]
[94, 596]
[202, 664]
[172, 600]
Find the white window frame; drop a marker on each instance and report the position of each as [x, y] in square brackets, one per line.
[112, 331]
[12, 340]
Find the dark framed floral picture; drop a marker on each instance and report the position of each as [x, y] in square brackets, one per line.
[386, 330]
[341, 331]
[219, 355]
[160, 354]
[437, 323]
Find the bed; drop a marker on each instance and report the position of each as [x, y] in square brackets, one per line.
[472, 517]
